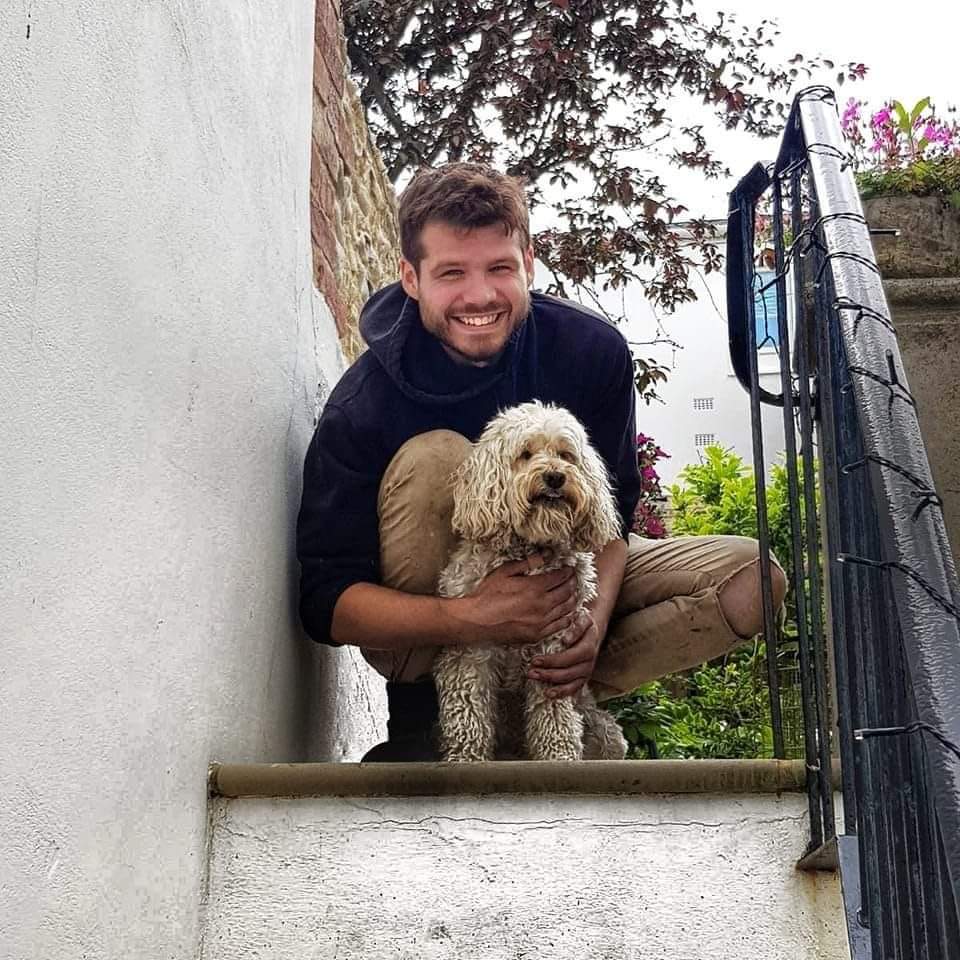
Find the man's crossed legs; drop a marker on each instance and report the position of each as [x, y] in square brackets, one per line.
[684, 600]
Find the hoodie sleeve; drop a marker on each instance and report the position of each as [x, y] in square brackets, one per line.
[337, 536]
[614, 432]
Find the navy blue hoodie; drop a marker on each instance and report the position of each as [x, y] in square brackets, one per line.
[406, 384]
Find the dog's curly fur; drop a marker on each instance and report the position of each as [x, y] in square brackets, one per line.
[532, 482]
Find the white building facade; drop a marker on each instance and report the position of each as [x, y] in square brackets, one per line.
[703, 403]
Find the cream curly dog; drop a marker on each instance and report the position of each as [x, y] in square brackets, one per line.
[532, 482]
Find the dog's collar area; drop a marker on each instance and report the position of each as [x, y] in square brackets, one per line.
[585, 777]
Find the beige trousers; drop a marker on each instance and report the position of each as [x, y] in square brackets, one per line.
[668, 615]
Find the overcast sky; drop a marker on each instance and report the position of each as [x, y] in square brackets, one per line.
[906, 60]
[911, 51]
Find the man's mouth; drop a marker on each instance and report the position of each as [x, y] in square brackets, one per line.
[479, 319]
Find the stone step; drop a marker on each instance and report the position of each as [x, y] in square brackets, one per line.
[679, 860]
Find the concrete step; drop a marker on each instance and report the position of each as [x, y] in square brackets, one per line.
[679, 860]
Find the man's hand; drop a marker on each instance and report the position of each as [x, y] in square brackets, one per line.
[511, 607]
[570, 669]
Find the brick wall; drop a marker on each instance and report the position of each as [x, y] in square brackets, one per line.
[352, 204]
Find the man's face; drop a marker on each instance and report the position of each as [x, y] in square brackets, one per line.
[472, 288]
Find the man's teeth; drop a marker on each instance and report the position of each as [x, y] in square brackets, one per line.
[480, 320]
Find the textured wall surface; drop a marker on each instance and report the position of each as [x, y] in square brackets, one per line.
[927, 316]
[504, 878]
[162, 364]
[353, 211]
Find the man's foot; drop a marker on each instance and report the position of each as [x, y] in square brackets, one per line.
[412, 749]
[410, 727]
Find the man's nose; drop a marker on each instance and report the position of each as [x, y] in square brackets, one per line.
[479, 292]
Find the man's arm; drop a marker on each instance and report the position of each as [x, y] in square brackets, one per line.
[570, 669]
[507, 607]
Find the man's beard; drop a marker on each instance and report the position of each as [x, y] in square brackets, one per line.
[439, 326]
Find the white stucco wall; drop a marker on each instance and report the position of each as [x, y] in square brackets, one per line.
[696, 877]
[158, 383]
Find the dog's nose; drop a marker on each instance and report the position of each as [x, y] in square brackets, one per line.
[554, 480]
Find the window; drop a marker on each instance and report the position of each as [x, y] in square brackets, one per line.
[704, 439]
[703, 403]
[765, 307]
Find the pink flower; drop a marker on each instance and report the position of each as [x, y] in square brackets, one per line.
[654, 528]
[851, 115]
[648, 473]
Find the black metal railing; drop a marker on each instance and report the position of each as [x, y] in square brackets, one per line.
[878, 606]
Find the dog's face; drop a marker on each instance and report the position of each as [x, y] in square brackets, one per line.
[533, 476]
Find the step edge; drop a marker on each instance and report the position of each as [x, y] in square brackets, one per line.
[592, 777]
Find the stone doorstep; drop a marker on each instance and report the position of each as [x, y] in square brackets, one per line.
[591, 777]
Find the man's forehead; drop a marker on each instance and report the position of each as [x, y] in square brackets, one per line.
[440, 239]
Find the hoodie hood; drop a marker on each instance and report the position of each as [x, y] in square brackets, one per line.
[415, 360]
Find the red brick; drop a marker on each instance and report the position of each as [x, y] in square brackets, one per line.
[324, 142]
[322, 189]
[337, 69]
[342, 137]
[327, 285]
[328, 47]
[322, 233]
[322, 87]
[331, 53]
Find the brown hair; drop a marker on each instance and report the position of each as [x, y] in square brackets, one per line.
[463, 195]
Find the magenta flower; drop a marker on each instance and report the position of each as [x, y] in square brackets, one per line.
[647, 518]
[884, 140]
[655, 528]
[851, 115]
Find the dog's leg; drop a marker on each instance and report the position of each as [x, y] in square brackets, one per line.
[554, 727]
[602, 737]
[466, 680]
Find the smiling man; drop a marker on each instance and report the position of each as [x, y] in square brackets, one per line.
[460, 337]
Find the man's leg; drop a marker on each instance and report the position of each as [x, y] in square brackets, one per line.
[415, 508]
[684, 601]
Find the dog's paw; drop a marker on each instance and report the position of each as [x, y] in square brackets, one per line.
[466, 756]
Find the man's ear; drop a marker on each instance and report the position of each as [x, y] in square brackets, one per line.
[528, 263]
[409, 279]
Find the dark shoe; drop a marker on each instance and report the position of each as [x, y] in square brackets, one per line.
[405, 750]
[411, 725]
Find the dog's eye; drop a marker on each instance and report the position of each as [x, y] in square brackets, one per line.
[526, 455]
[569, 457]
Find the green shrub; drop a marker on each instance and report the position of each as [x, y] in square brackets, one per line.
[721, 709]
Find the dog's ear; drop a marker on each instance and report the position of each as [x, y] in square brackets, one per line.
[598, 522]
[480, 510]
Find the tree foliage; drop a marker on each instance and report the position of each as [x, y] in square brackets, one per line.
[576, 96]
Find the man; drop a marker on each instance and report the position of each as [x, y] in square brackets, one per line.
[457, 339]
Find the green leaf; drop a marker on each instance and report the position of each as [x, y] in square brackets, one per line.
[918, 109]
[955, 199]
[903, 120]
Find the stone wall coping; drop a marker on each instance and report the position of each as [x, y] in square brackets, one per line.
[508, 777]
[923, 292]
